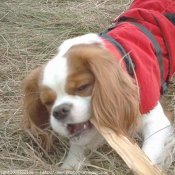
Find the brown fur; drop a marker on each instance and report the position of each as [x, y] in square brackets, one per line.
[36, 115]
[78, 75]
[115, 98]
[47, 96]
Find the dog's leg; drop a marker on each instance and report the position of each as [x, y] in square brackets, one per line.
[77, 155]
[75, 158]
[156, 128]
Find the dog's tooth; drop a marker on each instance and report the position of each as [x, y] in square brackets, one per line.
[85, 126]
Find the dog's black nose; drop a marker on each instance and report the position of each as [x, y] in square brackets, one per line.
[62, 111]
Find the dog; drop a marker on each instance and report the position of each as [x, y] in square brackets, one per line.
[116, 76]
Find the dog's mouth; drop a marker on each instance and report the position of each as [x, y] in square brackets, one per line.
[76, 130]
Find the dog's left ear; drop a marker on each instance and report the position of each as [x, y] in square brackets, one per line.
[36, 117]
[115, 98]
[36, 112]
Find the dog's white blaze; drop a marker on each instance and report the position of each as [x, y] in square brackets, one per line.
[85, 39]
[55, 74]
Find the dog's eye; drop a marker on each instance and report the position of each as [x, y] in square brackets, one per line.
[48, 103]
[82, 88]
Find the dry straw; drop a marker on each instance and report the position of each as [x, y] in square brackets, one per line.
[30, 32]
[133, 156]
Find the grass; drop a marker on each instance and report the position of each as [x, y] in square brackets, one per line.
[31, 31]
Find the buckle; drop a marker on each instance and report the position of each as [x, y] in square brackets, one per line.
[163, 88]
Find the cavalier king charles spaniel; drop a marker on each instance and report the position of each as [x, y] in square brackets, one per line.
[88, 78]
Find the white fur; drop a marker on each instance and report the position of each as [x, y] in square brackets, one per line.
[55, 73]
[156, 128]
[80, 112]
[155, 125]
[77, 155]
[84, 39]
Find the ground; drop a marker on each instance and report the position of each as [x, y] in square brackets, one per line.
[30, 32]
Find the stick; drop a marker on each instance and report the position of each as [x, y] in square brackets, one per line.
[133, 156]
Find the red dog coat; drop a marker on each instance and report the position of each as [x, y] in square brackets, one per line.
[150, 14]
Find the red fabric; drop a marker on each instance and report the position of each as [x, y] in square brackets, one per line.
[149, 14]
[115, 52]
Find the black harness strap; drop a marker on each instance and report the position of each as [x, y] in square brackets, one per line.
[127, 60]
[170, 17]
[158, 53]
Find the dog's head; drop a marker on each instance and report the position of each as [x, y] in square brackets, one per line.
[84, 79]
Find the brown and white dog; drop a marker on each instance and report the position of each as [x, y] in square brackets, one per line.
[85, 79]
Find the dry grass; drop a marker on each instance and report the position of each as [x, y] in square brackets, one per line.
[30, 32]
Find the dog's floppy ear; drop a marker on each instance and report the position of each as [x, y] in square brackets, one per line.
[115, 98]
[36, 117]
[36, 112]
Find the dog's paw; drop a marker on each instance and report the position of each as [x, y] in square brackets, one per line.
[72, 165]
